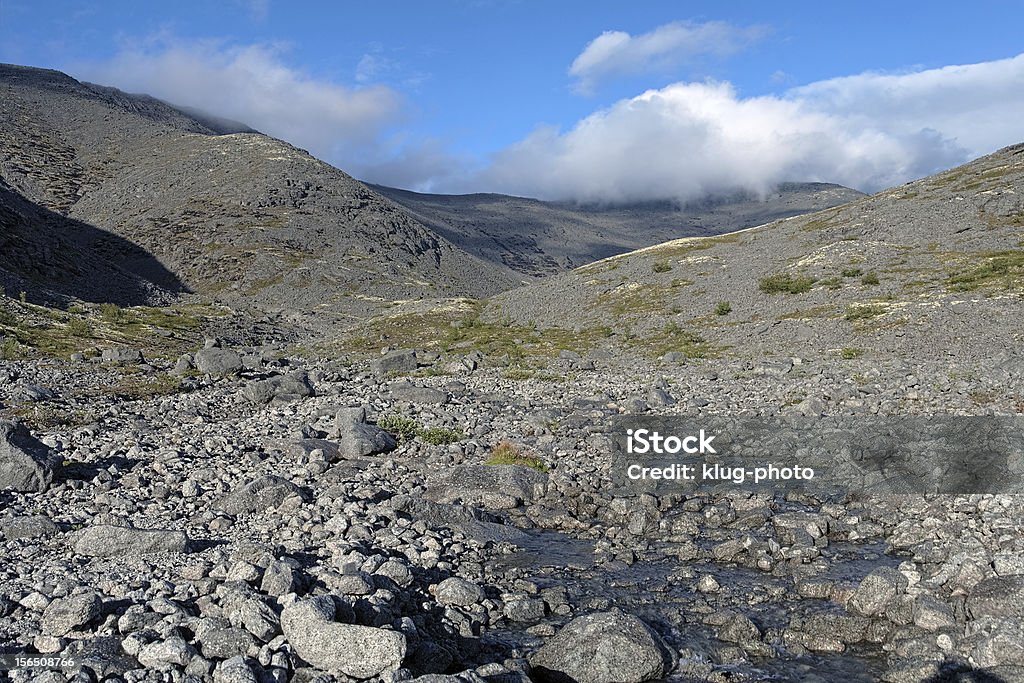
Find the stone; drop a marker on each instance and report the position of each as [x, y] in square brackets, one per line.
[121, 355]
[106, 540]
[395, 363]
[32, 526]
[458, 592]
[359, 440]
[219, 362]
[237, 669]
[167, 654]
[261, 494]
[409, 392]
[26, 463]
[1000, 596]
[605, 647]
[279, 389]
[496, 487]
[66, 614]
[354, 650]
[876, 591]
[524, 609]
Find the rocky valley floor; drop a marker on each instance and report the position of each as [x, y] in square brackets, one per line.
[252, 515]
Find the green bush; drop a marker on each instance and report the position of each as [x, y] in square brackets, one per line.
[662, 266]
[79, 328]
[723, 308]
[852, 272]
[849, 353]
[404, 428]
[786, 283]
[870, 279]
[112, 313]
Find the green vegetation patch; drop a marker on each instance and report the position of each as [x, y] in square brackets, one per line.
[864, 311]
[406, 429]
[786, 283]
[673, 337]
[723, 308]
[508, 453]
[997, 270]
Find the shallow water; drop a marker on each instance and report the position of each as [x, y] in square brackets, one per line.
[663, 593]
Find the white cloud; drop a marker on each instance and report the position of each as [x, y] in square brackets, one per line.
[254, 85]
[867, 131]
[616, 53]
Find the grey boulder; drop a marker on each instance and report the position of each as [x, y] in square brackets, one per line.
[607, 647]
[495, 487]
[267, 492]
[215, 361]
[360, 439]
[350, 649]
[280, 389]
[26, 463]
[66, 614]
[394, 363]
[106, 541]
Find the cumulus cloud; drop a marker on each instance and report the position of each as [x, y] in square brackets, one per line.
[616, 53]
[253, 84]
[867, 131]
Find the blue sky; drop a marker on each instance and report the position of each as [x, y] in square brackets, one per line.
[588, 100]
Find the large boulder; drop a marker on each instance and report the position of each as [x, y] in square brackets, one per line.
[26, 463]
[395, 363]
[121, 355]
[294, 386]
[359, 439]
[495, 487]
[105, 541]
[215, 361]
[607, 647]
[1000, 596]
[354, 650]
[266, 492]
[66, 614]
[877, 591]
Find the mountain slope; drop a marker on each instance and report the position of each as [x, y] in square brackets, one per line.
[242, 217]
[932, 267]
[539, 238]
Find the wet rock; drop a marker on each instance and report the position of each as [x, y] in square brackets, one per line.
[608, 647]
[106, 540]
[26, 463]
[876, 591]
[357, 651]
